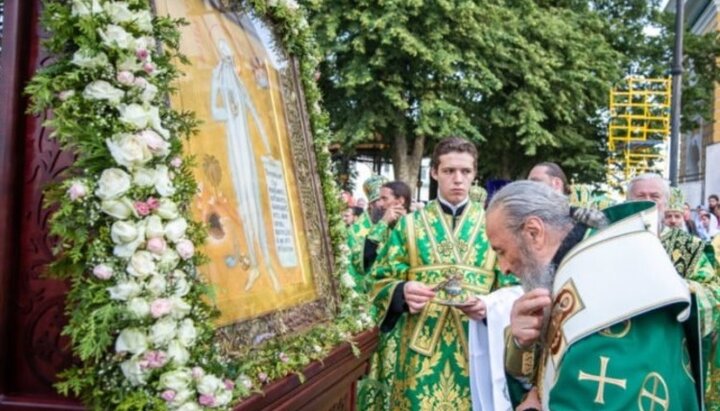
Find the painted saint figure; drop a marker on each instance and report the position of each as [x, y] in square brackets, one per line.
[233, 110]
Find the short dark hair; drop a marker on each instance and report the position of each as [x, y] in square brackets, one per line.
[453, 145]
[401, 190]
[554, 170]
[357, 211]
[715, 196]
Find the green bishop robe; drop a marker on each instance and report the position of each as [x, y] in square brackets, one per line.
[432, 369]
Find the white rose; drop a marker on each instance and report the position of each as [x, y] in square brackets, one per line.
[141, 265]
[85, 7]
[181, 287]
[129, 150]
[154, 227]
[163, 331]
[189, 406]
[129, 63]
[143, 20]
[163, 184]
[177, 353]
[119, 12]
[185, 249]
[149, 93]
[116, 36]
[156, 144]
[144, 177]
[209, 384]
[133, 372]
[156, 285]
[291, 4]
[124, 290]
[134, 115]
[123, 232]
[131, 340]
[223, 398]
[176, 380]
[187, 333]
[167, 209]
[102, 90]
[120, 209]
[87, 58]
[139, 307]
[128, 249]
[168, 260]
[113, 183]
[175, 229]
[154, 120]
[180, 308]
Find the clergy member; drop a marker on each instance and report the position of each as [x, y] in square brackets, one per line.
[428, 277]
[604, 345]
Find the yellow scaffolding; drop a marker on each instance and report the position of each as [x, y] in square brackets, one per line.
[639, 125]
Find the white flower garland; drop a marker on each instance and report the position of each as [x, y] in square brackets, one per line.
[148, 269]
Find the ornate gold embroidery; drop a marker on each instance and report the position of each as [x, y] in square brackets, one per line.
[614, 332]
[446, 395]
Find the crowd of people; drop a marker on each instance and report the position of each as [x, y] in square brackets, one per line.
[542, 298]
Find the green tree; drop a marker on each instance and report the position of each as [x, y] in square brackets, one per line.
[528, 80]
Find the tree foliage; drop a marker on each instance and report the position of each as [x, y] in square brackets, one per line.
[527, 80]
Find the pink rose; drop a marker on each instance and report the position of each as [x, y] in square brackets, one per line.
[155, 359]
[142, 208]
[77, 191]
[102, 271]
[160, 307]
[156, 245]
[263, 377]
[125, 78]
[142, 54]
[168, 395]
[283, 357]
[155, 143]
[229, 384]
[140, 82]
[207, 400]
[185, 249]
[149, 68]
[176, 162]
[153, 203]
[197, 373]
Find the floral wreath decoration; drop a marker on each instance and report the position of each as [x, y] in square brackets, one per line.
[138, 320]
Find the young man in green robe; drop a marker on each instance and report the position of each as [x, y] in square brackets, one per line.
[604, 305]
[428, 277]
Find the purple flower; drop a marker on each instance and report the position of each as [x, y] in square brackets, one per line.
[229, 384]
[142, 54]
[168, 395]
[207, 400]
[155, 359]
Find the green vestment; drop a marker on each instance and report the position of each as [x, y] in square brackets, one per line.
[432, 369]
[355, 242]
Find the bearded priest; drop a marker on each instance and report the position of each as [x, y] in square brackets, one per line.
[604, 308]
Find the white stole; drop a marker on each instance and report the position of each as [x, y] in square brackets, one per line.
[487, 352]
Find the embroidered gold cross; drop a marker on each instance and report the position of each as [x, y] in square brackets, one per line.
[602, 379]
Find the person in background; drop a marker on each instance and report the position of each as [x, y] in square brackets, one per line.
[712, 202]
[361, 228]
[689, 221]
[348, 216]
[552, 175]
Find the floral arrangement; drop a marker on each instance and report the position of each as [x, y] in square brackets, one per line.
[138, 318]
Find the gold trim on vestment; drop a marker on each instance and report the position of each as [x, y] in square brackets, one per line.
[411, 244]
[424, 314]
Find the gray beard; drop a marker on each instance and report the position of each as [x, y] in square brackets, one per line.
[376, 213]
[534, 275]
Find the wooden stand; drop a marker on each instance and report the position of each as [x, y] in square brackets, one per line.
[330, 385]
